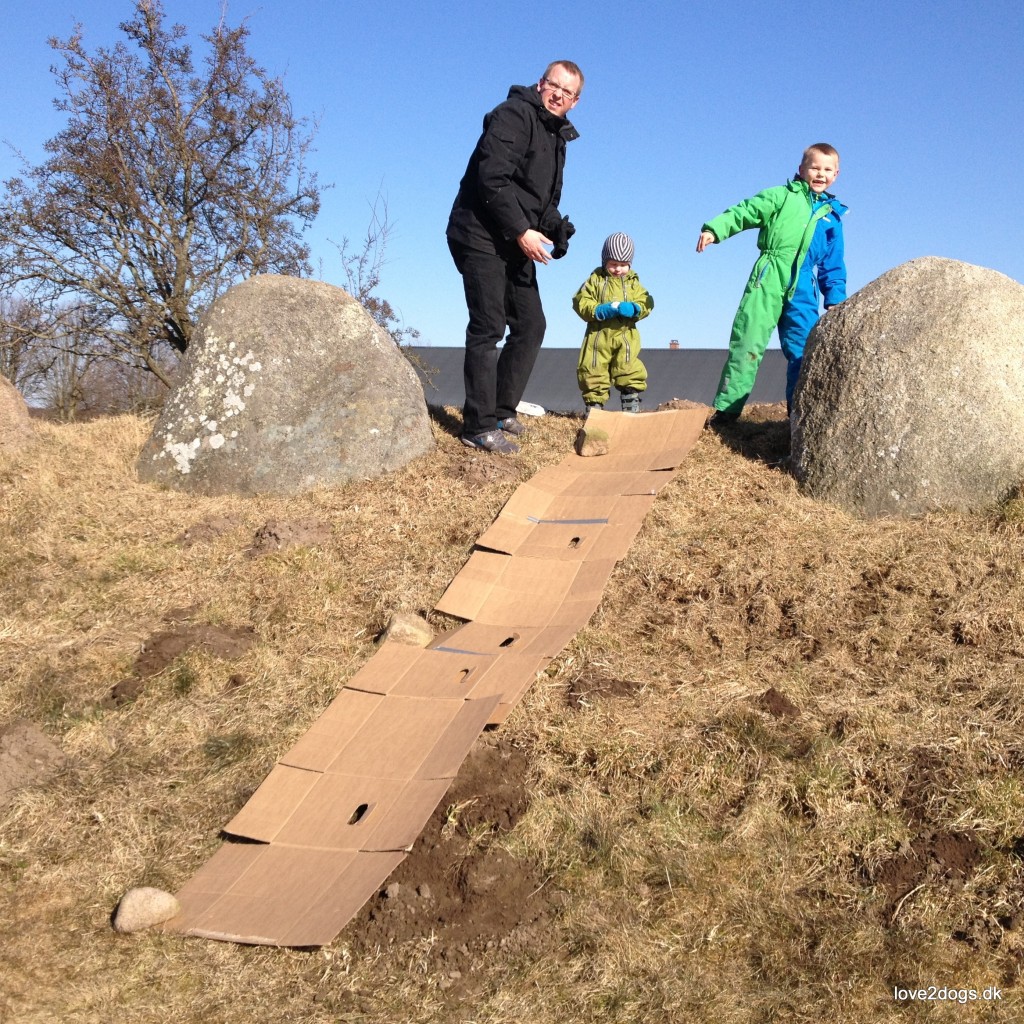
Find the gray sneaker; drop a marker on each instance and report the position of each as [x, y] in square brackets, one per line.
[490, 441]
[631, 402]
[512, 426]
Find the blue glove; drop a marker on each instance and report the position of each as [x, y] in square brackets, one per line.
[604, 311]
[629, 309]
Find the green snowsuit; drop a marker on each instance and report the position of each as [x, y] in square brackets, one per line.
[611, 348]
[787, 222]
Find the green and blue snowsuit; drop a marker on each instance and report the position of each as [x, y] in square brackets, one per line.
[802, 258]
[610, 353]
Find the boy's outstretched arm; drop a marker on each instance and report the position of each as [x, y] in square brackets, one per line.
[706, 238]
[754, 212]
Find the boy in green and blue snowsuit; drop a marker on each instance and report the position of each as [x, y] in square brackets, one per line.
[802, 260]
[611, 301]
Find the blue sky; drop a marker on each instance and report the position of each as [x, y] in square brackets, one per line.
[688, 108]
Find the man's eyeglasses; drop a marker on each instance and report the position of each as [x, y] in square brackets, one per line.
[569, 94]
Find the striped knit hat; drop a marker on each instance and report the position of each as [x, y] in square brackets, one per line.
[617, 247]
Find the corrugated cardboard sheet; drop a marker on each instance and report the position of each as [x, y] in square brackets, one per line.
[342, 808]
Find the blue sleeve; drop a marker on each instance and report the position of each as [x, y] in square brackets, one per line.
[832, 268]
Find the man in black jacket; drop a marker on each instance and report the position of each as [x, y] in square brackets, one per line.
[505, 214]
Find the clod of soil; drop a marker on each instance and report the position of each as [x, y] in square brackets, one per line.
[947, 857]
[777, 704]
[592, 441]
[682, 403]
[274, 536]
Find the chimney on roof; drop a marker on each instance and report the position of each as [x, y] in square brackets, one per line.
[673, 344]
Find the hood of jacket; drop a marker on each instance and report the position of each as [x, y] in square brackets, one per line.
[529, 94]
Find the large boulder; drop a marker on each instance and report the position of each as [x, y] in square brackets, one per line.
[15, 423]
[912, 393]
[288, 383]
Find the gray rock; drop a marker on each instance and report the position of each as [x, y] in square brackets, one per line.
[408, 628]
[143, 908]
[288, 384]
[911, 395]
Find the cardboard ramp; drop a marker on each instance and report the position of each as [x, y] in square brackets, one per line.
[537, 524]
[279, 895]
[501, 590]
[342, 808]
[652, 441]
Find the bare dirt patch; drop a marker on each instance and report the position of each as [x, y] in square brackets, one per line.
[936, 857]
[777, 704]
[28, 757]
[476, 470]
[165, 647]
[209, 529]
[276, 535]
[927, 777]
[458, 887]
[761, 433]
[588, 690]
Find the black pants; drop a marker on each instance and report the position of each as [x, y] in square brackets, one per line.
[500, 291]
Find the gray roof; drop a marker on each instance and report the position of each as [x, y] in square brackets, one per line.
[690, 373]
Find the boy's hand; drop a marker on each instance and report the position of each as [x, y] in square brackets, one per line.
[628, 309]
[604, 312]
[706, 239]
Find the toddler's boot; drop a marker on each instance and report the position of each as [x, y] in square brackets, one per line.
[630, 401]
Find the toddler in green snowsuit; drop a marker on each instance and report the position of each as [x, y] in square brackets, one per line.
[611, 301]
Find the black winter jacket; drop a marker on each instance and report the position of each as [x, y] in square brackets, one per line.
[513, 181]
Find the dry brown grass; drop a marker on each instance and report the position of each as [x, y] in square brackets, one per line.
[811, 795]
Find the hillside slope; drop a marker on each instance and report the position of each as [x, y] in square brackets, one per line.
[778, 776]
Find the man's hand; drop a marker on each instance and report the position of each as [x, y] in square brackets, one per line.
[532, 243]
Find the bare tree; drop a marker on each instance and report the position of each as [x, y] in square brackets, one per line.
[64, 388]
[363, 270]
[167, 186]
[109, 387]
[24, 361]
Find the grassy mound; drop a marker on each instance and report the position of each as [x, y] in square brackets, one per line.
[777, 777]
